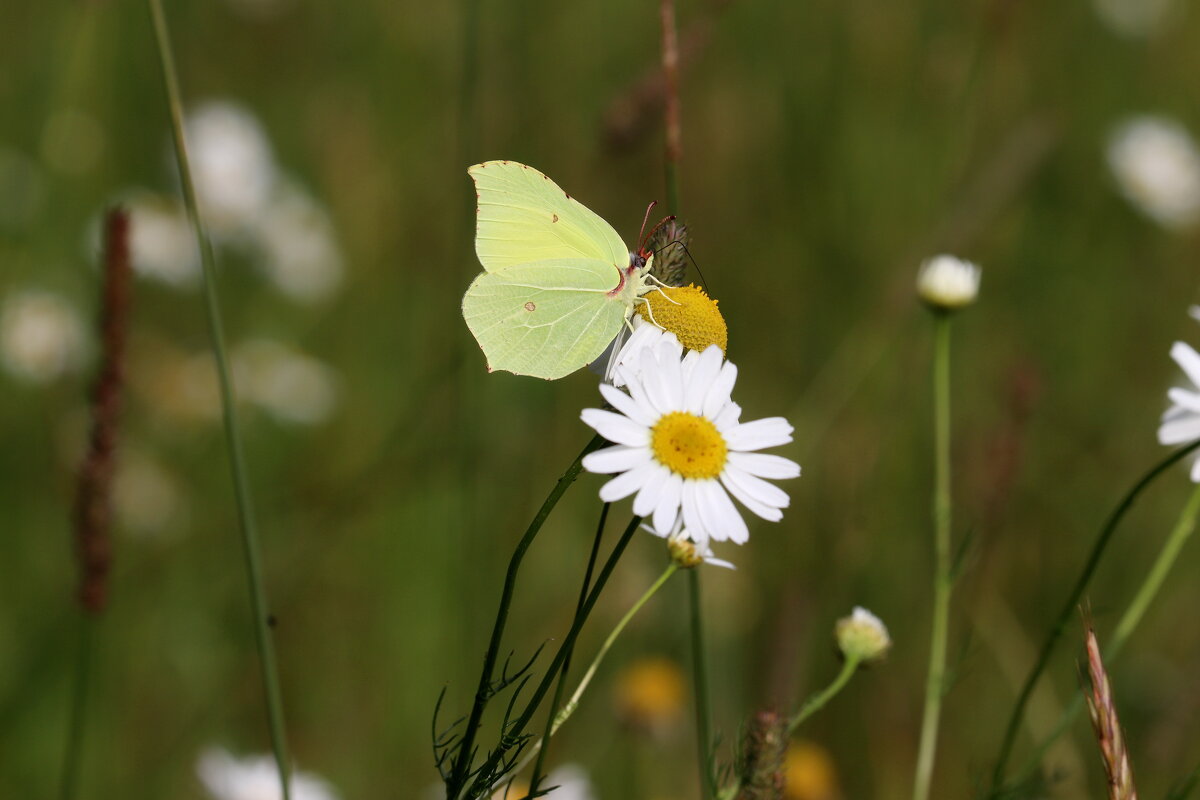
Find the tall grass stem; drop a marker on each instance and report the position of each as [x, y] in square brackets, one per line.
[241, 483]
[943, 578]
[1072, 603]
[700, 687]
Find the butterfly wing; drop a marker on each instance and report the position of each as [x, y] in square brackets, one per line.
[546, 318]
[524, 216]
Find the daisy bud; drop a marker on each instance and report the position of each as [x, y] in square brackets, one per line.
[684, 553]
[862, 635]
[946, 283]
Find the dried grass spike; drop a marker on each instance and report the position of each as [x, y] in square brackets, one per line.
[1108, 728]
[763, 751]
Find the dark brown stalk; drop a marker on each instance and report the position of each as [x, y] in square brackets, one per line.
[93, 501]
[1103, 712]
[763, 751]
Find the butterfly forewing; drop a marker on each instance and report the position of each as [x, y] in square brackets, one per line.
[523, 216]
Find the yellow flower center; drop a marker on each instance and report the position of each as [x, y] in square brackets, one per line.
[688, 445]
[689, 313]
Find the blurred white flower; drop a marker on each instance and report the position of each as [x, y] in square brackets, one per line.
[1157, 165]
[161, 244]
[298, 247]
[1135, 17]
[147, 499]
[41, 336]
[1181, 421]
[255, 778]
[289, 385]
[232, 165]
[946, 282]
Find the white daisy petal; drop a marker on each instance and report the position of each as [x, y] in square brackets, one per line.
[728, 523]
[626, 483]
[763, 465]
[766, 493]
[1179, 431]
[758, 509]
[1196, 471]
[719, 391]
[671, 374]
[651, 378]
[651, 492]
[693, 519]
[616, 428]
[759, 434]
[667, 511]
[1188, 360]
[618, 458]
[1187, 400]
[704, 371]
[625, 404]
[728, 417]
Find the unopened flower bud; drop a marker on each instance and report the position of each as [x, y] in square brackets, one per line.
[863, 636]
[946, 283]
[684, 552]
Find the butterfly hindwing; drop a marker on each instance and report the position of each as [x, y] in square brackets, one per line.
[546, 318]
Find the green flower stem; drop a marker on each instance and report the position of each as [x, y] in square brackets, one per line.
[1072, 603]
[1184, 526]
[817, 701]
[241, 484]
[517, 727]
[943, 578]
[573, 703]
[73, 760]
[700, 686]
[551, 724]
[567, 710]
[462, 763]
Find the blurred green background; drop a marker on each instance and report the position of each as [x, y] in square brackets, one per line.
[828, 148]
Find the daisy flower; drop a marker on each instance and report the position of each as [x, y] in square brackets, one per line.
[1181, 422]
[1156, 163]
[678, 444]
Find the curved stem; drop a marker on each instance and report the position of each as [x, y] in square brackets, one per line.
[237, 460]
[567, 710]
[1184, 526]
[1072, 602]
[551, 722]
[512, 734]
[817, 701]
[943, 579]
[462, 763]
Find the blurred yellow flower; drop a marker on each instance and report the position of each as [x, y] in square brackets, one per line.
[649, 694]
[810, 773]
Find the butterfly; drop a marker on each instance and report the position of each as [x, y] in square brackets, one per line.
[558, 283]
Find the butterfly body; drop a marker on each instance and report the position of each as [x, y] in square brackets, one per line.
[558, 282]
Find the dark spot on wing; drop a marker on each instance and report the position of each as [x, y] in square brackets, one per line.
[530, 306]
[554, 217]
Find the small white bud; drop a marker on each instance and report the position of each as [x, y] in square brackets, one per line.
[946, 282]
[862, 635]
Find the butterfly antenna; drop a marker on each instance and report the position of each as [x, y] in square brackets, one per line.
[646, 219]
[654, 230]
[690, 258]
